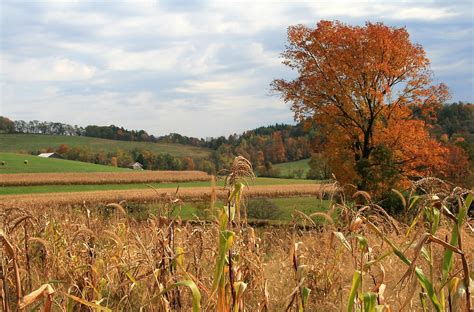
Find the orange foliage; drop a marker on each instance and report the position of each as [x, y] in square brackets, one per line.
[188, 163]
[415, 152]
[114, 162]
[457, 165]
[358, 84]
[62, 149]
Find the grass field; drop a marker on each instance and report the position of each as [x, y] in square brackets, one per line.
[14, 163]
[33, 142]
[286, 169]
[37, 189]
[272, 209]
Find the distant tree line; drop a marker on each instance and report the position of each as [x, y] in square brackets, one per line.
[39, 127]
[452, 124]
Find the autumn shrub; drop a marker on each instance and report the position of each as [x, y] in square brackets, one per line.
[263, 209]
[138, 211]
[268, 170]
[297, 173]
[318, 168]
[204, 210]
[391, 203]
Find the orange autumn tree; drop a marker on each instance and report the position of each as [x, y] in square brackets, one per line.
[359, 84]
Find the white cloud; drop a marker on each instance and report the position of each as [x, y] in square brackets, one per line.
[160, 60]
[420, 13]
[219, 115]
[454, 67]
[199, 71]
[259, 55]
[388, 10]
[151, 23]
[56, 69]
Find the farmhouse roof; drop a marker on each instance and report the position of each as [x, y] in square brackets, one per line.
[135, 165]
[48, 155]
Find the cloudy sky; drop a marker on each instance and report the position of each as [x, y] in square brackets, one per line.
[194, 67]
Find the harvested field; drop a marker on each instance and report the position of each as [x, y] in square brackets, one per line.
[150, 195]
[26, 179]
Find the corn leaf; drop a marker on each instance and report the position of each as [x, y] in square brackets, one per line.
[463, 209]
[423, 301]
[402, 198]
[412, 225]
[363, 243]
[179, 259]
[223, 219]
[436, 218]
[413, 201]
[395, 249]
[448, 254]
[305, 295]
[425, 283]
[95, 306]
[356, 279]
[194, 290]
[240, 288]
[370, 302]
[343, 240]
[225, 242]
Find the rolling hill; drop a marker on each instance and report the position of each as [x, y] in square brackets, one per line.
[14, 163]
[26, 143]
[288, 169]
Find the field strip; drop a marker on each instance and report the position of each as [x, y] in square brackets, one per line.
[150, 195]
[29, 179]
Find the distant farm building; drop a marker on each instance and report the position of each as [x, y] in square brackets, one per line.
[136, 166]
[50, 155]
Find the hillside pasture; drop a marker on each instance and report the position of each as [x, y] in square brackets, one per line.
[292, 169]
[15, 163]
[34, 142]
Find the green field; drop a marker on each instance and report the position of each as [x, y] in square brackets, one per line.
[35, 189]
[26, 143]
[14, 163]
[274, 210]
[289, 168]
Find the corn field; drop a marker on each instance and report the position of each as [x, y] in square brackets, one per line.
[83, 259]
[65, 178]
[156, 195]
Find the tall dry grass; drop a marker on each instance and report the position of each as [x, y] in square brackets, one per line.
[149, 195]
[364, 261]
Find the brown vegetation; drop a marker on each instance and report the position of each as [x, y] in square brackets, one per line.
[24, 179]
[150, 195]
[363, 260]
[116, 263]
